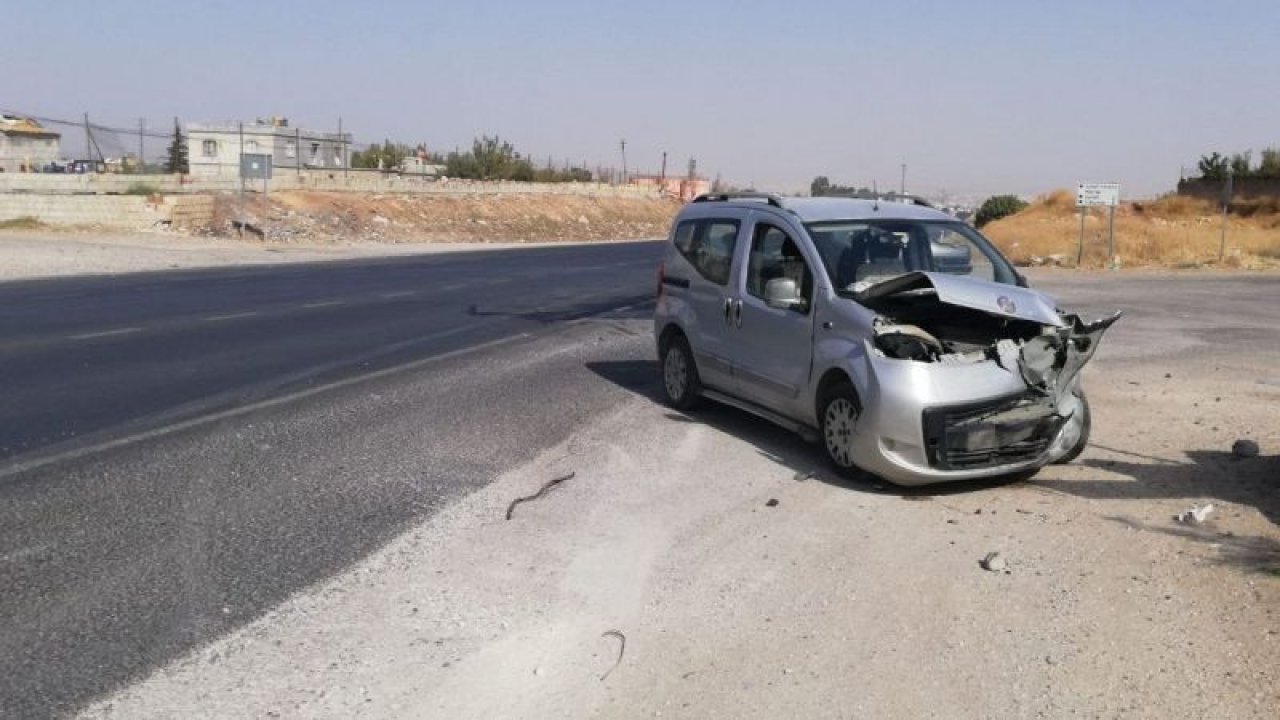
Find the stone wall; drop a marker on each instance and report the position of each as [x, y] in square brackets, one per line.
[372, 181]
[127, 212]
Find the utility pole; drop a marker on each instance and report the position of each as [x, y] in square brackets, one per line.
[142, 127]
[240, 166]
[297, 151]
[902, 186]
[663, 177]
[624, 161]
[88, 139]
[1227, 192]
[342, 139]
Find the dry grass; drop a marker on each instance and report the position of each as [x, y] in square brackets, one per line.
[21, 223]
[1173, 231]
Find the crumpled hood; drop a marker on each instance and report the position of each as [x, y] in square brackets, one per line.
[990, 297]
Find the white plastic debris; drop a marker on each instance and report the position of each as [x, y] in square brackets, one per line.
[1195, 515]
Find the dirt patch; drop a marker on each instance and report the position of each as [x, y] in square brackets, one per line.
[1174, 231]
[356, 217]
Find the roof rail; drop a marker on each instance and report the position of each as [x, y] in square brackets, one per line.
[771, 198]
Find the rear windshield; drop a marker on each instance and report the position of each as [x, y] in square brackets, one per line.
[857, 254]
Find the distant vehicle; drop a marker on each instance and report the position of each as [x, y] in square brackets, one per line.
[893, 332]
[54, 168]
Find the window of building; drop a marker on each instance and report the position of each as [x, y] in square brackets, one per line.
[315, 151]
[251, 146]
[210, 148]
[291, 149]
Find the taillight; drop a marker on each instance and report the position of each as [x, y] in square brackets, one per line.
[661, 276]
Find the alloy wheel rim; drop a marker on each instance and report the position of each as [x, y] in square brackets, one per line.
[838, 425]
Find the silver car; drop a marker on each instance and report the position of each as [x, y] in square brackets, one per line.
[894, 333]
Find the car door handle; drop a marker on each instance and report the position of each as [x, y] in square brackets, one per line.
[827, 324]
[737, 313]
[728, 311]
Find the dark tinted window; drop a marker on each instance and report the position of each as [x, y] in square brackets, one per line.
[708, 245]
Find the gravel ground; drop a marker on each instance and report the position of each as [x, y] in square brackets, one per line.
[840, 599]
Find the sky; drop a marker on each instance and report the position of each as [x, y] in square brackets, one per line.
[975, 97]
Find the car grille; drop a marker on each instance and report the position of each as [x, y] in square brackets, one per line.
[991, 433]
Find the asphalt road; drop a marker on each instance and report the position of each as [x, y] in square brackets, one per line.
[181, 451]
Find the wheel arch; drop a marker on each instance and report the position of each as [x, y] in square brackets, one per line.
[833, 377]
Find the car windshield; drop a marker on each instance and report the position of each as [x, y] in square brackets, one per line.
[858, 254]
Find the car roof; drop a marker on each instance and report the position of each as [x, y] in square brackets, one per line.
[825, 209]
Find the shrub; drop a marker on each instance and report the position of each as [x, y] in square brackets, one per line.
[140, 188]
[998, 206]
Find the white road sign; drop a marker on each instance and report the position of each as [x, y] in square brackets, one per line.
[1093, 194]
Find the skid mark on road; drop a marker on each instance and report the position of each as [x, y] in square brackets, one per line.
[232, 316]
[323, 303]
[399, 294]
[104, 333]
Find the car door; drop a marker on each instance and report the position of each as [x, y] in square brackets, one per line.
[772, 351]
[710, 246]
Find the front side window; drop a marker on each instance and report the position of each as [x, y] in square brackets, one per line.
[857, 254]
[708, 245]
[775, 256]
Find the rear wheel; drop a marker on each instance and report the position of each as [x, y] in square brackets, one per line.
[680, 379]
[1086, 425]
[838, 420]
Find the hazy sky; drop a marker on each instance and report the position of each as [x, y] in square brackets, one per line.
[975, 97]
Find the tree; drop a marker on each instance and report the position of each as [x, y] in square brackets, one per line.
[1213, 167]
[1242, 164]
[1269, 165]
[998, 206]
[820, 186]
[490, 158]
[177, 159]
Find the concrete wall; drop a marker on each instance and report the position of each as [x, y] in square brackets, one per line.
[327, 180]
[129, 212]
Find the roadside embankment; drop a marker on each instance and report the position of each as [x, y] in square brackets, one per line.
[1172, 231]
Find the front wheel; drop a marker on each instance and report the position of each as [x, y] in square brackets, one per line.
[838, 420]
[680, 379]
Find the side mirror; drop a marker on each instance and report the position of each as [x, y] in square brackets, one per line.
[783, 294]
[1020, 279]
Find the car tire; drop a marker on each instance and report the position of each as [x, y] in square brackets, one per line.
[680, 382]
[1085, 427]
[837, 418]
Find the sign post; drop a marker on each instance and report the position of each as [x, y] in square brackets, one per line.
[1093, 195]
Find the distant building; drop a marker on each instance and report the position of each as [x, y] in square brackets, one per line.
[683, 188]
[26, 146]
[214, 150]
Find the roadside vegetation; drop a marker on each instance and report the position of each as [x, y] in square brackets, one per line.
[1172, 231]
[25, 222]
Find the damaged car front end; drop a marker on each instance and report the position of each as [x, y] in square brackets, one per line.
[965, 378]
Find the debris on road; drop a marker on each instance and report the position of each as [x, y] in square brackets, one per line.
[622, 649]
[1195, 515]
[803, 475]
[993, 562]
[1244, 448]
[773, 502]
[541, 491]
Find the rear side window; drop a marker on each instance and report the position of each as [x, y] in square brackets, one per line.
[708, 245]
